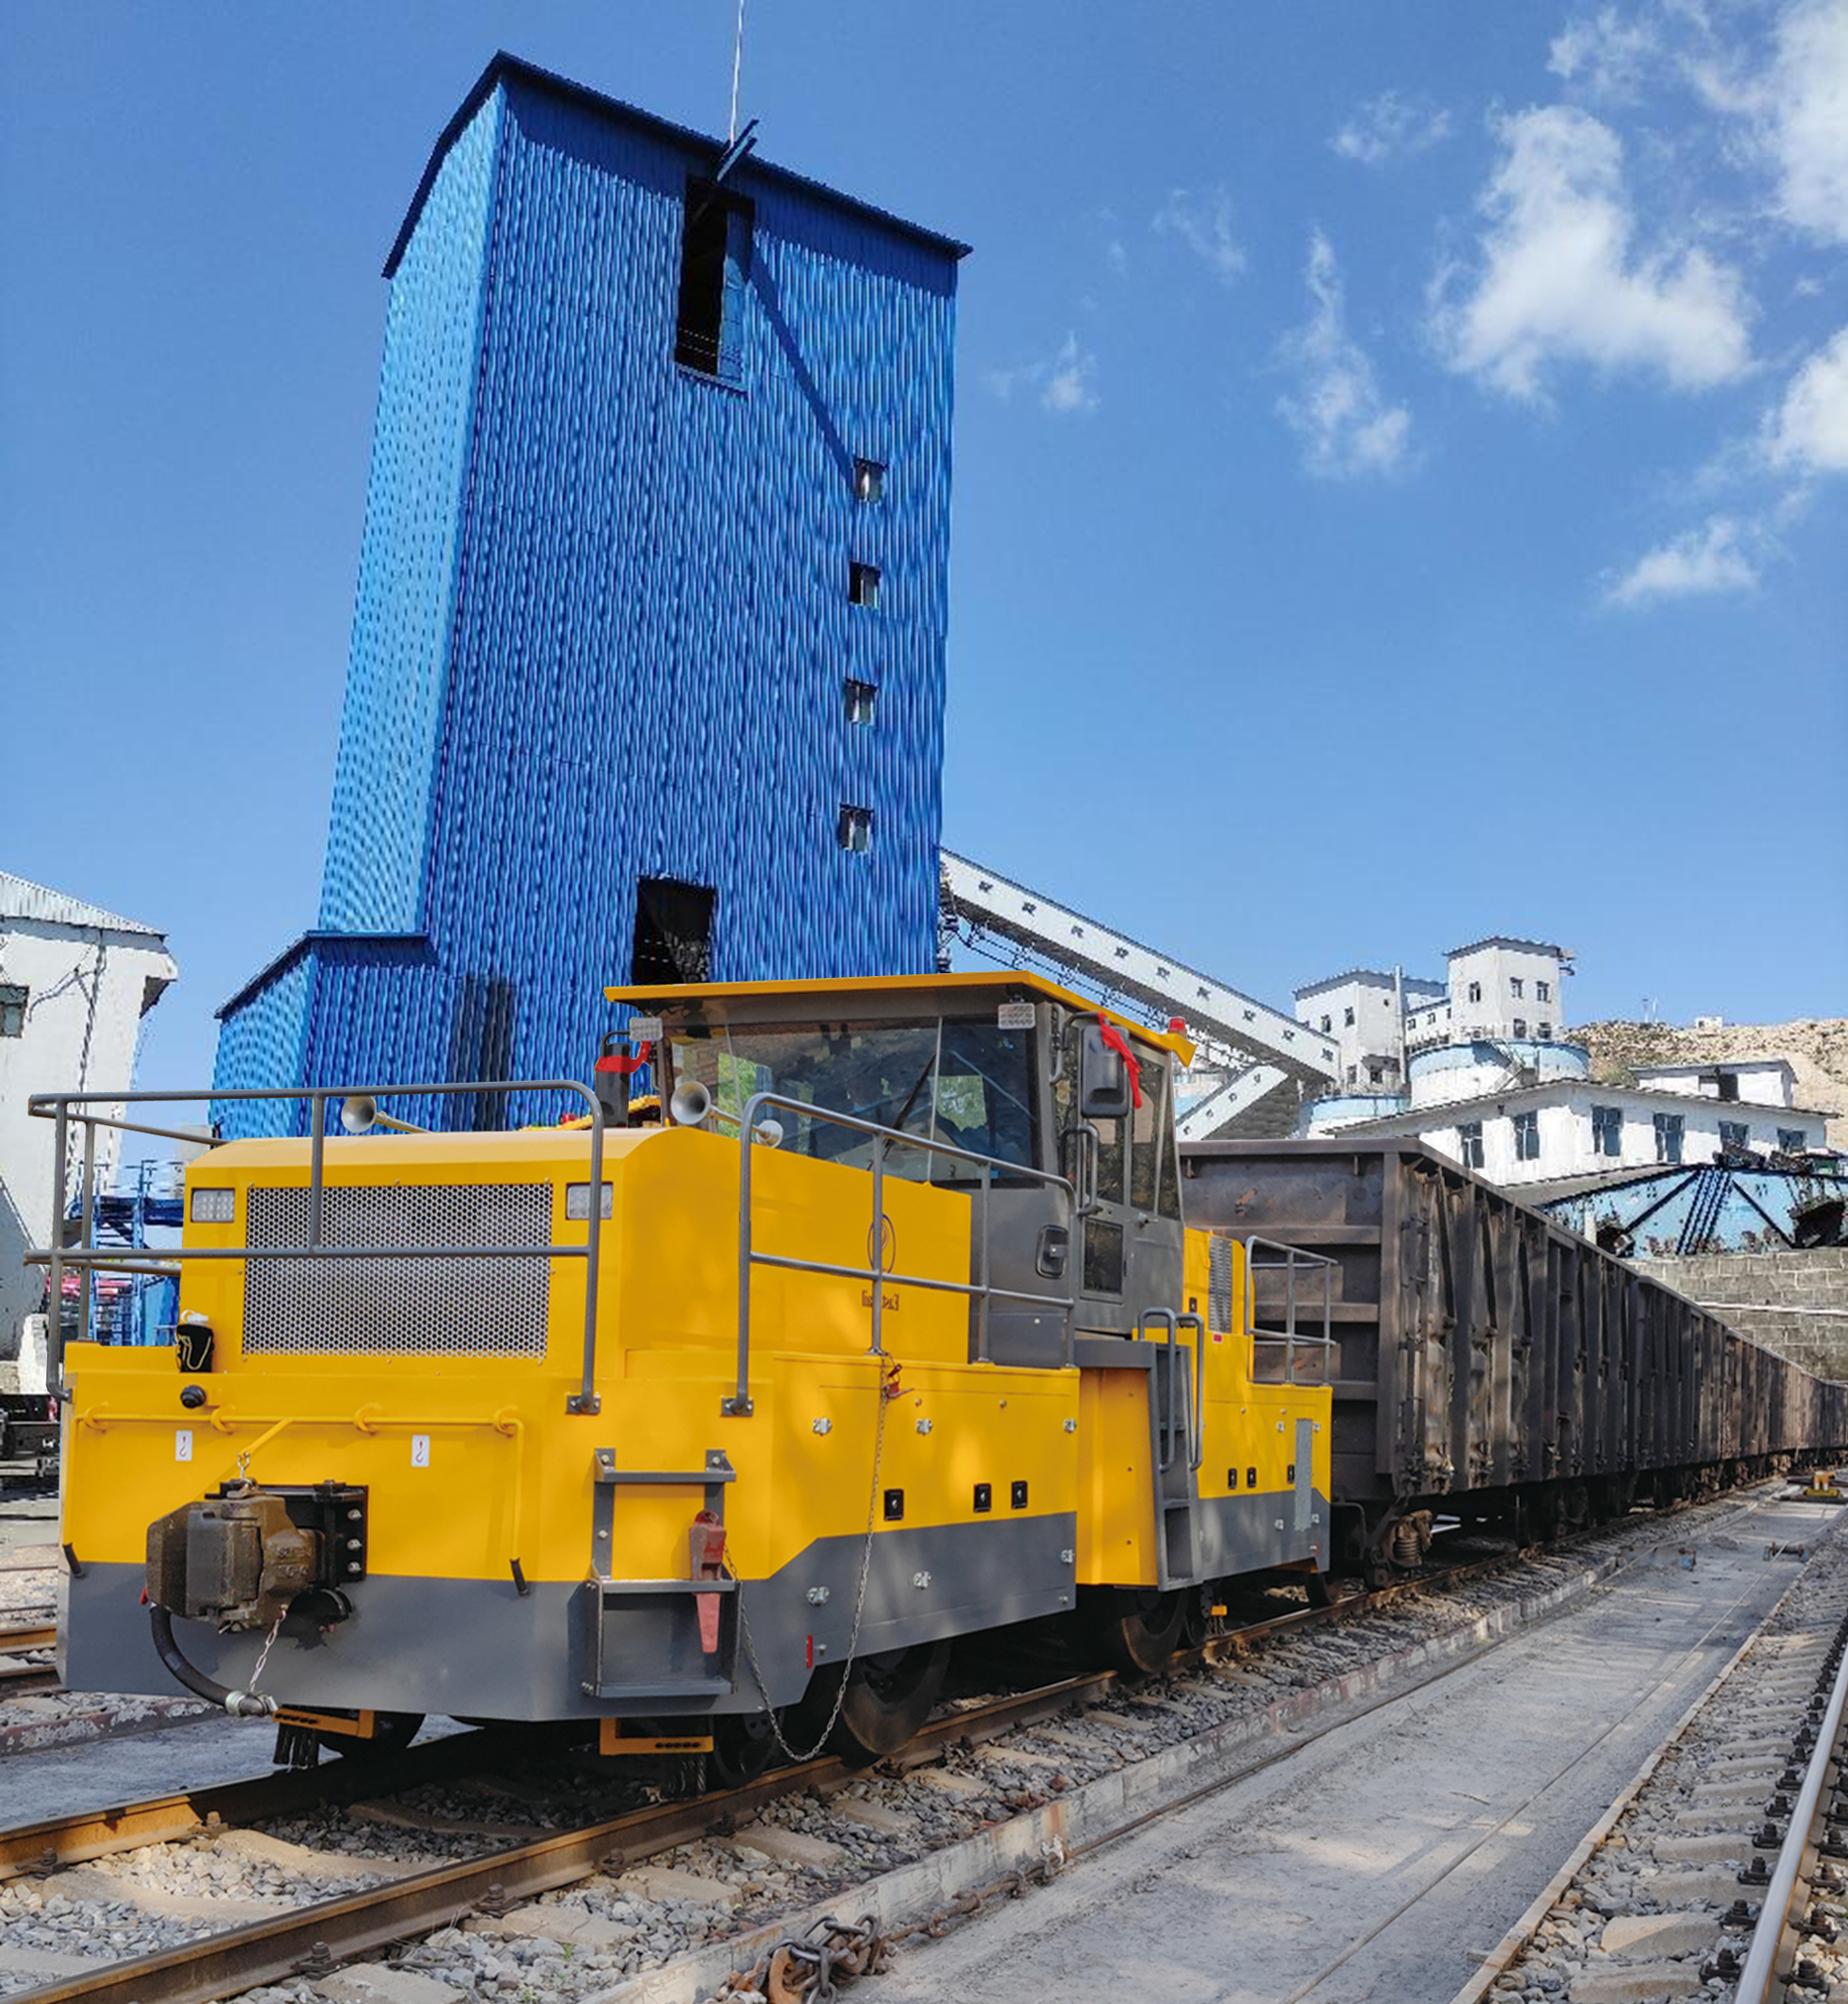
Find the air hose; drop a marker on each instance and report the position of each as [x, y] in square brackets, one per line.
[240, 1704]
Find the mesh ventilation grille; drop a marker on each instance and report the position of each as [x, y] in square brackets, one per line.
[453, 1306]
[1218, 1285]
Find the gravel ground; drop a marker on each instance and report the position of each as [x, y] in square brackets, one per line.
[578, 1941]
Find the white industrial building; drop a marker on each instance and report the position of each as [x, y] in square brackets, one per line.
[76, 983]
[1486, 1073]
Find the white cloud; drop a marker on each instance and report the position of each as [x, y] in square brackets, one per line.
[1202, 221]
[1347, 427]
[1066, 383]
[1714, 558]
[1390, 128]
[1809, 432]
[1561, 280]
[1606, 54]
[1808, 110]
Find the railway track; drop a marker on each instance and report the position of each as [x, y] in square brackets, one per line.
[17, 1643]
[313, 1939]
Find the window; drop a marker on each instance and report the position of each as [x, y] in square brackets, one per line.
[1328, 1023]
[673, 931]
[1542, 991]
[1669, 1128]
[1607, 1130]
[1372, 1074]
[862, 584]
[1348, 1018]
[1544, 1032]
[1728, 1083]
[1475, 991]
[1526, 1136]
[868, 479]
[1469, 1144]
[1792, 1141]
[1734, 1134]
[858, 700]
[1515, 986]
[709, 328]
[854, 831]
[12, 1009]
[1521, 1026]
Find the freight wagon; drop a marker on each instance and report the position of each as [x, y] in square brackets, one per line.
[1489, 1363]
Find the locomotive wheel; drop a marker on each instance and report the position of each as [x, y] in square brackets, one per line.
[391, 1732]
[742, 1746]
[1142, 1630]
[888, 1697]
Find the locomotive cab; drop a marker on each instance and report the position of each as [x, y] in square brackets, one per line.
[1071, 1110]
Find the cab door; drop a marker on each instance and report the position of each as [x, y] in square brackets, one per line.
[1129, 1246]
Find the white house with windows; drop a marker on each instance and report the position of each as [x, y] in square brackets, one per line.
[1529, 1112]
[76, 982]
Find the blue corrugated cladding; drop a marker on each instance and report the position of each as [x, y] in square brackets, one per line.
[617, 643]
[379, 833]
[263, 1042]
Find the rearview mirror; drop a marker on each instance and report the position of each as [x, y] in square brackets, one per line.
[1104, 1079]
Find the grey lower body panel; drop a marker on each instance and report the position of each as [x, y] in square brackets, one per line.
[1243, 1534]
[475, 1648]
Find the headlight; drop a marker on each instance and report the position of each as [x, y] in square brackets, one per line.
[210, 1207]
[577, 1201]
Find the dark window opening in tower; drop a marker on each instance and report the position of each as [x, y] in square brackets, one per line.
[714, 264]
[673, 931]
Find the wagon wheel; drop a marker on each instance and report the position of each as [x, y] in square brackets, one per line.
[1141, 1631]
[888, 1697]
[742, 1746]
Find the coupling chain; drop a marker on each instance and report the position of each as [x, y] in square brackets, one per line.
[888, 1390]
[800, 1969]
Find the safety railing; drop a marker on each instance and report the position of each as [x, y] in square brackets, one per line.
[1284, 1345]
[87, 1258]
[982, 1290]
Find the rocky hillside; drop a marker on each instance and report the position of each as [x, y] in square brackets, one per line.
[1818, 1053]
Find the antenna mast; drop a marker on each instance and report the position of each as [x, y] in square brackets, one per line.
[737, 64]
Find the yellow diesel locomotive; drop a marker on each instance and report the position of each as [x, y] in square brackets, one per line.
[714, 1430]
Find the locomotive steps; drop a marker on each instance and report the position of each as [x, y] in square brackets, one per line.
[918, 1839]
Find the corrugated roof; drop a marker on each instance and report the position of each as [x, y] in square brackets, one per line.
[514, 68]
[22, 899]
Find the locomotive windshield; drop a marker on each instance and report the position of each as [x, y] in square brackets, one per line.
[967, 1083]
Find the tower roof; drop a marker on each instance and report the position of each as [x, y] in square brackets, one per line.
[514, 68]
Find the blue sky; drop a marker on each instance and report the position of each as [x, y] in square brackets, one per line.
[1402, 455]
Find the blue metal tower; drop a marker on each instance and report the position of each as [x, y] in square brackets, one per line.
[647, 662]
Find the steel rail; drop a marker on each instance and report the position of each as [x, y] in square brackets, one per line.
[19, 1678]
[272, 1951]
[1769, 1960]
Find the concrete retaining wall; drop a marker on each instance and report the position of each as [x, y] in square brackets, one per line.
[1790, 1283]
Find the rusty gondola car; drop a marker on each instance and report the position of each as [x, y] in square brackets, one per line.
[1492, 1365]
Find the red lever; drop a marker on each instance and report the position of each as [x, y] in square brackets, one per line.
[706, 1539]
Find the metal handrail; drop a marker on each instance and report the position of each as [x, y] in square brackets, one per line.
[982, 1291]
[1195, 1429]
[89, 1259]
[1293, 1257]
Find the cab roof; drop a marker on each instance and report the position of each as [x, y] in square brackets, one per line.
[732, 1001]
